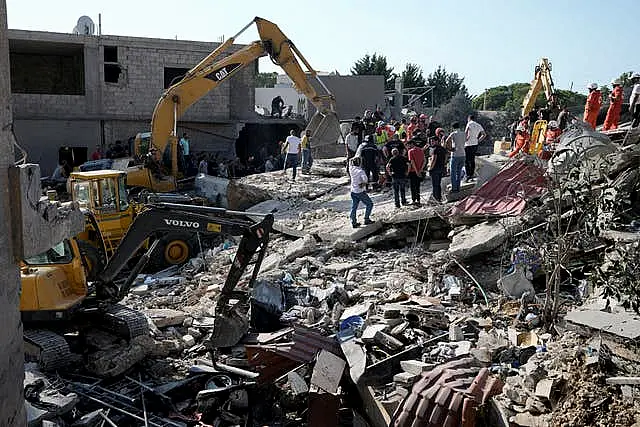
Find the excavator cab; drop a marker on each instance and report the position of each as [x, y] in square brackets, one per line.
[53, 283]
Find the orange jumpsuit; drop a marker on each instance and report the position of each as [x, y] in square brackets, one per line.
[551, 139]
[592, 107]
[522, 143]
[613, 114]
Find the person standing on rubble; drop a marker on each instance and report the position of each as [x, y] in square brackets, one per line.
[474, 133]
[551, 139]
[634, 100]
[359, 194]
[292, 144]
[416, 167]
[592, 107]
[370, 154]
[615, 106]
[455, 142]
[305, 144]
[398, 168]
[437, 161]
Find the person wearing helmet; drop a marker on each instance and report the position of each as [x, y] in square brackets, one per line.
[522, 141]
[615, 107]
[634, 100]
[381, 135]
[422, 123]
[592, 107]
[551, 139]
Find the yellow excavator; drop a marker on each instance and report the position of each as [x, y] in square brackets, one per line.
[58, 298]
[209, 74]
[542, 80]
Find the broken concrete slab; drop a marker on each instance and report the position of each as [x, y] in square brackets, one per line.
[405, 379]
[299, 248]
[481, 238]
[327, 372]
[35, 416]
[621, 324]
[39, 223]
[416, 367]
[623, 380]
[164, 317]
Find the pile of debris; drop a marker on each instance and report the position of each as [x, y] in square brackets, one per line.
[431, 316]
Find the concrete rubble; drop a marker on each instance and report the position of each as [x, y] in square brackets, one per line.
[419, 319]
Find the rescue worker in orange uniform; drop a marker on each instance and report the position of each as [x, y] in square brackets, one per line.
[615, 107]
[522, 141]
[592, 107]
[551, 139]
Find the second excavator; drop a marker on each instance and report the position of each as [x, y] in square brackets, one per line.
[209, 74]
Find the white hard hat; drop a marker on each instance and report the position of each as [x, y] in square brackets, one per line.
[552, 124]
[615, 82]
[520, 128]
[593, 86]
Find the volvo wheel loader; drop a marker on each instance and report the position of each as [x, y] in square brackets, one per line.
[57, 298]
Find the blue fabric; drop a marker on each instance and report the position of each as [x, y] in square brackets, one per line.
[436, 180]
[356, 198]
[457, 163]
[291, 160]
[399, 186]
[307, 161]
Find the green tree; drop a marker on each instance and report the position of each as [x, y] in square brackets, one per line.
[266, 79]
[509, 98]
[445, 85]
[605, 91]
[625, 79]
[374, 65]
[456, 110]
[412, 76]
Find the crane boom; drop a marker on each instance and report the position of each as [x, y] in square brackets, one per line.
[542, 79]
[212, 71]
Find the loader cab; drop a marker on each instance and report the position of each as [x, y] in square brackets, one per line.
[104, 194]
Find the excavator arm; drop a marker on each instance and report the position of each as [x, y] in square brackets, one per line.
[542, 80]
[159, 219]
[213, 70]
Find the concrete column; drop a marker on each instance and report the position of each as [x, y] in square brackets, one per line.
[11, 357]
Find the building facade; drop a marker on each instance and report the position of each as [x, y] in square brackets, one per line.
[84, 91]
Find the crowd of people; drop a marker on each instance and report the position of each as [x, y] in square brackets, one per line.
[401, 153]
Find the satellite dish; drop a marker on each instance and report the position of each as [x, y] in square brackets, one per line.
[85, 26]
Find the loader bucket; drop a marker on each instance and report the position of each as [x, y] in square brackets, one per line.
[325, 129]
[228, 329]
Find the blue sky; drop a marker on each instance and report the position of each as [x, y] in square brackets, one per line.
[490, 42]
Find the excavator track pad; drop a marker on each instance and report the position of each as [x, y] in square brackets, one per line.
[124, 321]
[50, 350]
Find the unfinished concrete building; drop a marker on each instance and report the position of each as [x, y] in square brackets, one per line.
[74, 92]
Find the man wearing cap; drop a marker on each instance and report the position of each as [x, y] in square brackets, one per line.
[634, 100]
[592, 107]
[615, 107]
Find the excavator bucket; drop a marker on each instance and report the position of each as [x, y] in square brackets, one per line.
[325, 129]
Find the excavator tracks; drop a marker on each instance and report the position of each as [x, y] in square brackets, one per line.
[49, 349]
[124, 321]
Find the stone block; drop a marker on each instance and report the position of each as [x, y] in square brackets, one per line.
[405, 379]
[416, 367]
[327, 372]
[164, 317]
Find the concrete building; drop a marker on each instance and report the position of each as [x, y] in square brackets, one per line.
[353, 94]
[79, 91]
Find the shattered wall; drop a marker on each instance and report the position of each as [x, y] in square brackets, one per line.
[11, 359]
[123, 79]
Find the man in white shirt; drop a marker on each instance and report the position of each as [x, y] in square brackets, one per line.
[634, 100]
[293, 149]
[359, 194]
[474, 134]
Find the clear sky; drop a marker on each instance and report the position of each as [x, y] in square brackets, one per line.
[490, 42]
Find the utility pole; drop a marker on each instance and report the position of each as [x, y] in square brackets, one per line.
[12, 355]
[484, 102]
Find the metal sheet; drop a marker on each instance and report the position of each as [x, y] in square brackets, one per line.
[506, 194]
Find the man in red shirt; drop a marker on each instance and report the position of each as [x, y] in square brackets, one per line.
[97, 155]
[416, 162]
